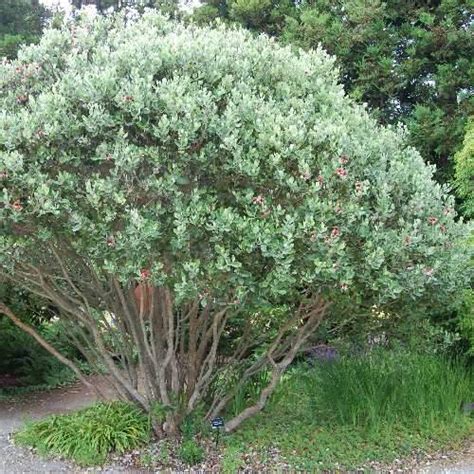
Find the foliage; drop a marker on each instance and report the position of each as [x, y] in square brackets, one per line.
[161, 176]
[24, 358]
[464, 160]
[466, 320]
[345, 413]
[110, 6]
[21, 21]
[231, 460]
[90, 435]
[407, 60]
[384, 388]
[190, 452]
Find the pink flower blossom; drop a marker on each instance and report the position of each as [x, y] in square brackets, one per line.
[17, 206]
[3, 174]
[359, 186]
[344, 287]
[341, 172]
[335, 232]
[407, 240]
[343, 159]
[442, 228]
[320, 180]
[432, 220]
[111, 241]
[259, 200]
[145, 273]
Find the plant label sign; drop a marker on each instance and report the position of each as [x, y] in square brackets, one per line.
[217, 422]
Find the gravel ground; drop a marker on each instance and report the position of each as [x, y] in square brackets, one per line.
[14, 459]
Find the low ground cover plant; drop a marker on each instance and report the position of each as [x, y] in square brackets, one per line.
[89, 435]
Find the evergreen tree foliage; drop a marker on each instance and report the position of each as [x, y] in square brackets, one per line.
[21, 21]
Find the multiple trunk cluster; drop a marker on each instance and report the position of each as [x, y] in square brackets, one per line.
[159, 355]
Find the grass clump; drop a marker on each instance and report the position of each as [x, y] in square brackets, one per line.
[89, 435]
[346, 413]
[386, 388]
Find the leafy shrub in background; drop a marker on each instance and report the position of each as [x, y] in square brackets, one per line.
[90, 435]
[31, 365]
[466, 320]
[464, 161]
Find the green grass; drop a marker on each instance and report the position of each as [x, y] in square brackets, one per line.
[90, 435]
[347, 413]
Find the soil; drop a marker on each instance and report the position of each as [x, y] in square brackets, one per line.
[14, 459]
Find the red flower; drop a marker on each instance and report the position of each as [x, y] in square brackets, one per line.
[432, 220]
[17, 205]
[341, 172]
[335, 232]
[145, 273]
[111, 241]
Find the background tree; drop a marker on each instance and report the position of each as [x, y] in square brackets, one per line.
[408, 60]
[105, 6]
[166, 187]
[21, 21]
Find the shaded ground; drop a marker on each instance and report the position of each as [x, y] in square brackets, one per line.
[14, 459]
